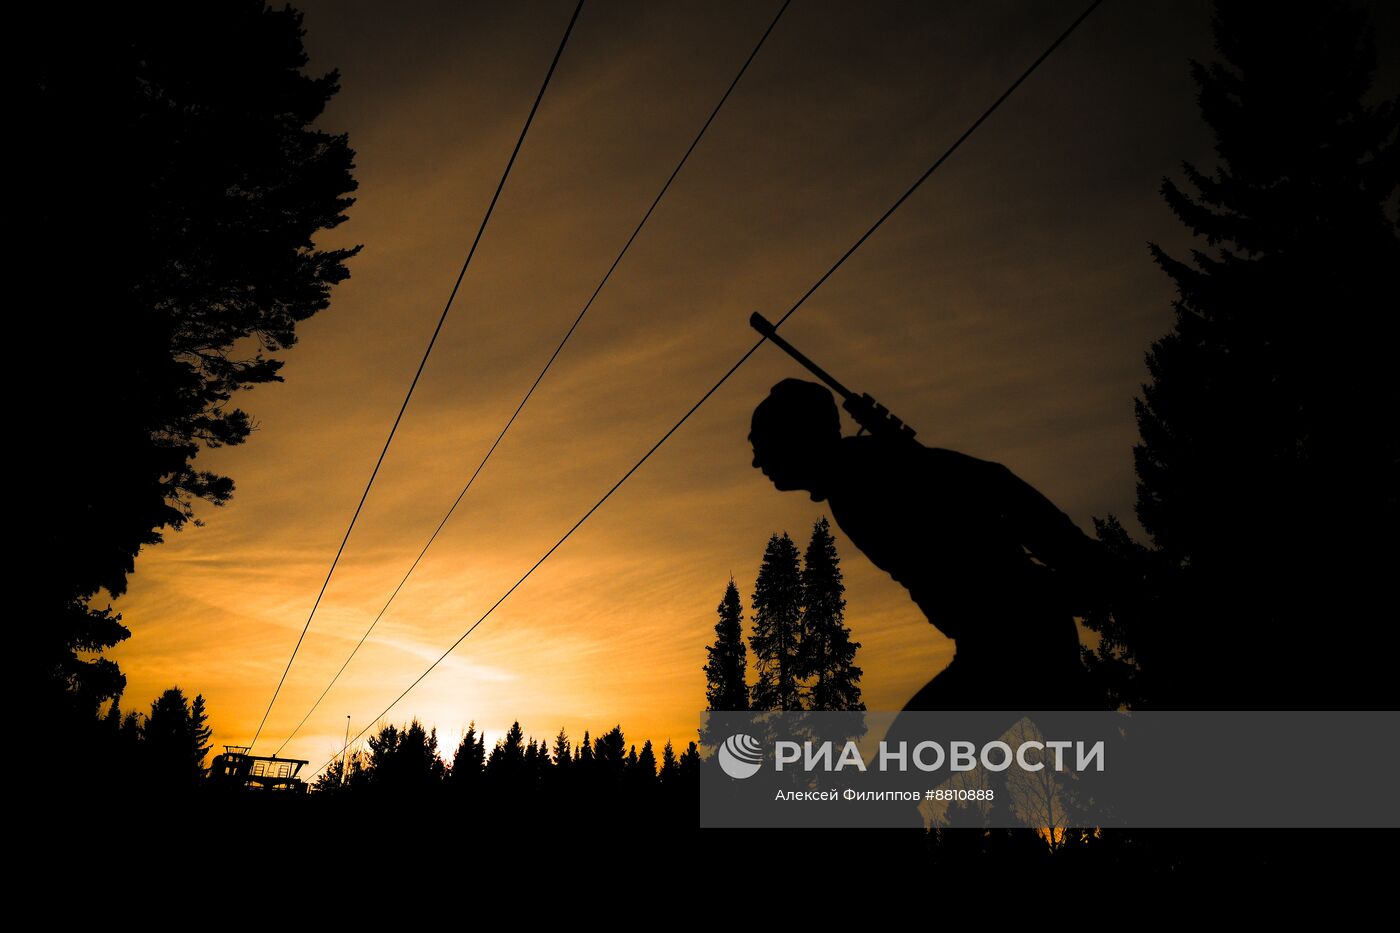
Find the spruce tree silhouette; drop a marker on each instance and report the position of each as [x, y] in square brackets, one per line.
[1270, 447]
[726, 687]
[689, 767]
[584, 754]
[563, 757]
[826, 653]
[404, 761]
[469, 761]
[991, 562]
[777, 608]
[644, 770]
[534, 766]
[610, 756]
[173, 185]
[668, 773]
[505, 766]
[175, 739]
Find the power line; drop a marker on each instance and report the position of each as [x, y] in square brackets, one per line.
[550, 362]
[442, 318]
[733, 369]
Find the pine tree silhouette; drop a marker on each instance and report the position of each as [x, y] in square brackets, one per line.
[175, 737]
[644, 769]
[469, 761]
[610, 756]
[826, 652]
[669, 765]
[725, 671]
[1267, 468]
[563, 755]
[505, 766]
[585, 754]
[777, 605]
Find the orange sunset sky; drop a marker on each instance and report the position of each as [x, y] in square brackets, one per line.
[1004, 312]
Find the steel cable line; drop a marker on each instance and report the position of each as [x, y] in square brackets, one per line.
[733, 369]
[550, 362]
[442, 318]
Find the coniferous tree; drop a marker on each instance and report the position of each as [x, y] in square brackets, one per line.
[405, 760]
[382, 747]
[585, 755]
[777, 605]
[826, 653]
[120, 749]
[505, 767]
[535, 764]
[347, 774]
[176, 736]
[646, 764]
[200, 730]
[1267, 468]
[331, 778]
[610, 755]
[562, 754]
[669, 765]
[469, 761]
[544, 764]
[224, 186]
[688, 767]
[329, 781]
[725, 684]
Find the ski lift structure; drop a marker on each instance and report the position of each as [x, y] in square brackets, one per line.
[236, 769]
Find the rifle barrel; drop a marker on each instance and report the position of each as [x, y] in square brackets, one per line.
[761, 324]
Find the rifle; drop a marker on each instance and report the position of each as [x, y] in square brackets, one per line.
[868, 413]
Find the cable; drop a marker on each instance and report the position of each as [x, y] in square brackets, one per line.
[422, 363]
[567, 334]
[733, 369]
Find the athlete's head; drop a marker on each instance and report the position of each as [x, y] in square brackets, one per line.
[795, 433]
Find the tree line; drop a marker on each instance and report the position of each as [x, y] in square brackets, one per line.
[406, 759]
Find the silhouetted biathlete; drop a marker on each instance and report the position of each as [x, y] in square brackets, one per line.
[992, 563]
